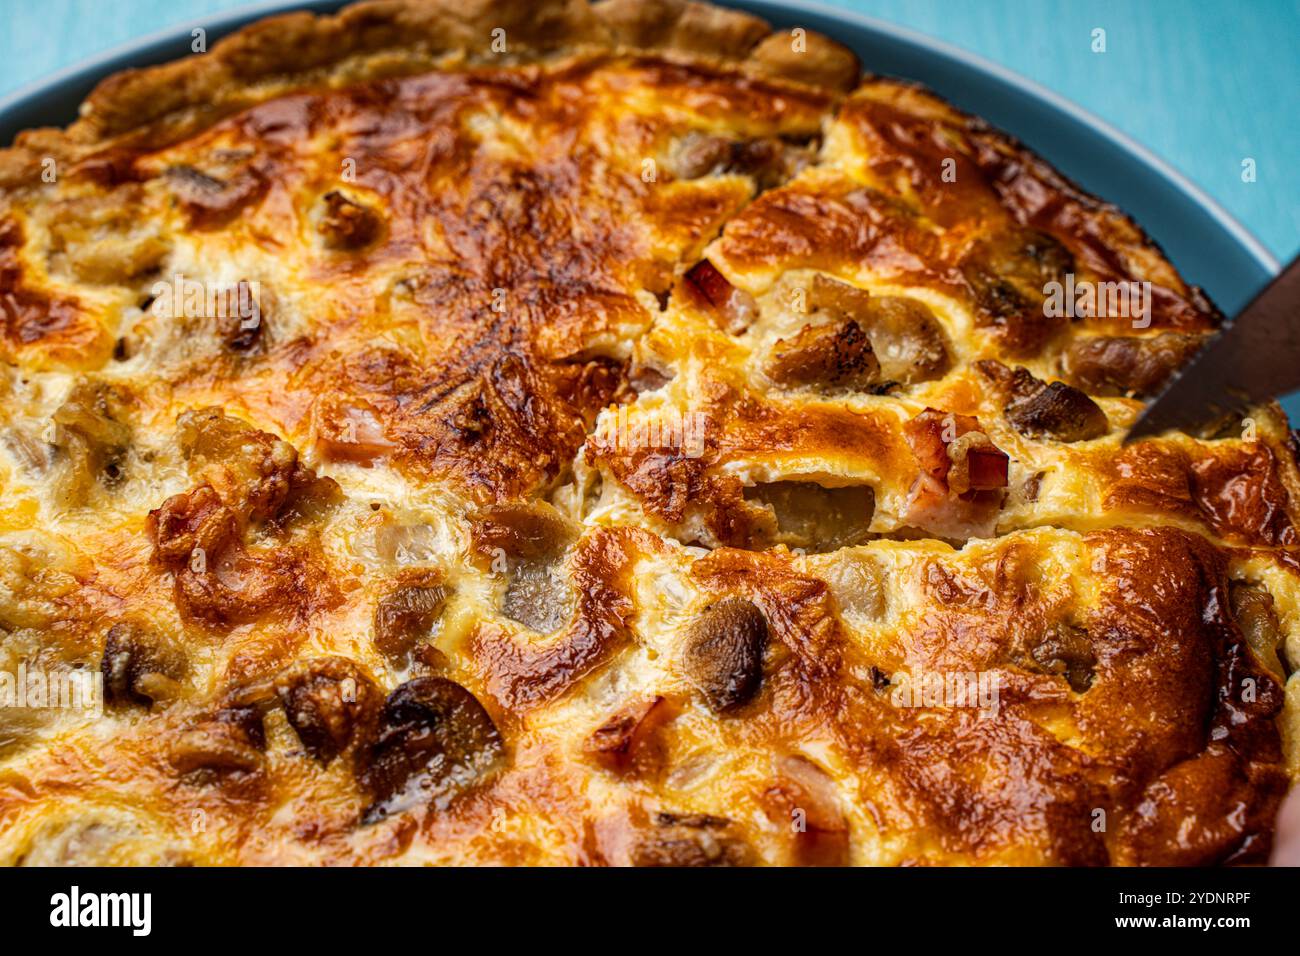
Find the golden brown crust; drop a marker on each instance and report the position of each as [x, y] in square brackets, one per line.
[594, 452]
[377, 38]
[681, 25]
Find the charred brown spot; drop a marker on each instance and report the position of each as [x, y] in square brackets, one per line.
[1128, 365]
[30, 314]
[256, 472]
[331, 703]
[723, 653]
[244, 338]
[835, 356]
[435, 741]
[249, 478]
[189, 522]
[220, 581]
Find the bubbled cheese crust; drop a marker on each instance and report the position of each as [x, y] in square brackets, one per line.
[476, 276]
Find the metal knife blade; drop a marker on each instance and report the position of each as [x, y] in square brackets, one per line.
[1253, 359]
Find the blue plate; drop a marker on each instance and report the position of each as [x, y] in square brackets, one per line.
[1208, 246]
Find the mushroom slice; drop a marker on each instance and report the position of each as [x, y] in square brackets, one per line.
[723, 653]
[539, 596]
[528, 542]
[1007, 272]
[689, 839]
[1066, 651]
[232, 740]
[405, 615]
[347, 225]
[1127, 364]
[767, 160]
[1252, 609]
[92, 442]
[213, 197]
[832, 357]
[331, 703]
[139, 665]
[1045, 410]
[908, 342]
[435, 741]
[1059, 411]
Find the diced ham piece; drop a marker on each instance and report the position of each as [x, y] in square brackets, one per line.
[628, 742]
[977, 464]
[803, 799]
[734, 309]
[957, 493]
[351, 431]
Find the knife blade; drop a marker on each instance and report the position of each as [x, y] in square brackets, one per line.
[1253, 359]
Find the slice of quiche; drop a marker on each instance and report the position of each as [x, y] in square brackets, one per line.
[550, 433]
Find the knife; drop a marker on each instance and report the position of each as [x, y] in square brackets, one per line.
[1253, 359]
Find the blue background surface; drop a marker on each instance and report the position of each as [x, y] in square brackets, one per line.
[1202, 83]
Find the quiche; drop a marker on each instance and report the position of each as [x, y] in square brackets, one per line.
[490, 432]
